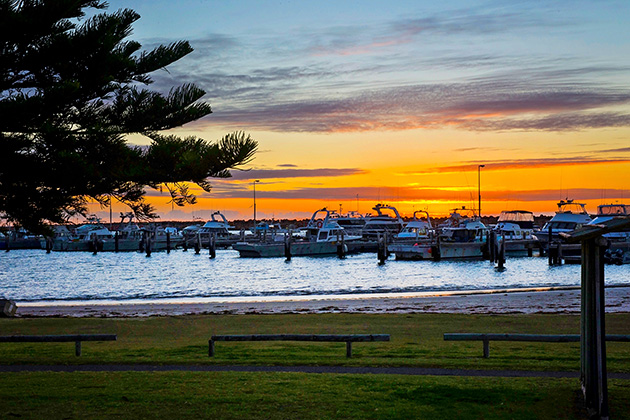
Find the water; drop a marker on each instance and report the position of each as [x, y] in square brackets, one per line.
[34, 276]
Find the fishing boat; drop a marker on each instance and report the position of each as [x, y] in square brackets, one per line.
[321, 236]
[461, 236]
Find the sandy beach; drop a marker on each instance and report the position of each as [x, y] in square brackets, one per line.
[506, 301]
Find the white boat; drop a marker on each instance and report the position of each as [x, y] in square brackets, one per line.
[460, 236]
[618, 251]
[382, 223]
[516, 227]
[321, 236]
[569, 216]
[418, 229]
[353, 222]
[87, 237]
[219, 228]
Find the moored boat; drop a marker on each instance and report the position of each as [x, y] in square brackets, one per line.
[321, 236]
[461, 236]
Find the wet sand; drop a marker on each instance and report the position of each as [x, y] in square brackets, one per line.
[507, 301]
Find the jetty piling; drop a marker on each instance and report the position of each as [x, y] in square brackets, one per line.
[168, 242]
[501, 254]
[287, 246]
[198, 244]
[212, 245]
[381, 252]
[147, 246]
[341, 245]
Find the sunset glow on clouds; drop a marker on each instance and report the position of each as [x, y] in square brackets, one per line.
[357, 102]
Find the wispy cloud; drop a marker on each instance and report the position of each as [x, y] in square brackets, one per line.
[496, 165]
[420, 194]
[294, 173]
[280, 81]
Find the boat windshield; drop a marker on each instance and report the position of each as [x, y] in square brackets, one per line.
[613, 210]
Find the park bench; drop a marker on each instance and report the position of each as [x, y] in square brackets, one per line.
[347, 338]
[549, 338]
[76, 338]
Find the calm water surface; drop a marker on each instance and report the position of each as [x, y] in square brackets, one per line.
[34, 276]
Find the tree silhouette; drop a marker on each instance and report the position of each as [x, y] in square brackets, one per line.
[71, 89]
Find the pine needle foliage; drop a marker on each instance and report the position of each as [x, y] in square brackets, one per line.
[71, 89]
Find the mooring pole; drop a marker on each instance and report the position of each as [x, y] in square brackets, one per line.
[212, 245]
[593, 344]
[287, 246]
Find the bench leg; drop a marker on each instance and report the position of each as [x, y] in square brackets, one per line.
[348, 348]
[77, 348]
[486, 349]
[210, 348]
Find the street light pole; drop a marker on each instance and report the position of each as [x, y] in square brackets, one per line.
[254, 183]
[479, 186]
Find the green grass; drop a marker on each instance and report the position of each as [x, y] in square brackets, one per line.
[416, 341]
[185, 395]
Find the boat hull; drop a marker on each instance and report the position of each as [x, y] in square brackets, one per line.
[435, 252]
[270, 250]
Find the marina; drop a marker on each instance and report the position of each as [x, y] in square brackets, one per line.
[35, 276]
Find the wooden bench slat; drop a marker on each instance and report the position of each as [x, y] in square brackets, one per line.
[347, 338]
[549, 338]
[56, 338]
[303, 337]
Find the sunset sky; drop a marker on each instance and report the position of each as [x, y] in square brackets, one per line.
[359, 102]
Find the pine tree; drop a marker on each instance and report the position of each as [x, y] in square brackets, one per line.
[71, 89]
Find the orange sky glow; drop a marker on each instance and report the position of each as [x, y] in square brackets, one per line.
[399, 103]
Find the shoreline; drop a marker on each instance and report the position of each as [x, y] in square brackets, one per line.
[499, 301]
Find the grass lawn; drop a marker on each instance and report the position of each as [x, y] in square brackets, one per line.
[416, 341]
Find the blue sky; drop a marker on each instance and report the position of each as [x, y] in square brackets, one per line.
[386, 95]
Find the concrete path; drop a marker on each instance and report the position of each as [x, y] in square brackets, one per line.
[301, 369]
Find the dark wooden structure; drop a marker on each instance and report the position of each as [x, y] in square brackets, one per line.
[347, 338]
[541, 338]
[593, 373]
[76, 338]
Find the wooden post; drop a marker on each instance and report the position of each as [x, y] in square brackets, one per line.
[593, 374]
[198, 243]
[501, 257]
[486, 349]
[287, 246]
[94, 244]
[211, 348]
[147, 246]
[381, 252]
[348, 349]
[49, 244]
[77, 348]
[116, 239]
[341, 252]
[212, 245]
[168, 242]
[559, 254]
[593, 344]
